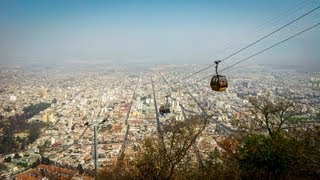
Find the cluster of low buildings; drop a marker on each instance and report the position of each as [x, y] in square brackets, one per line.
[121, 105]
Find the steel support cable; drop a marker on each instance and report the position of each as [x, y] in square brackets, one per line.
[262, 51]
[255, 42]
[274, 45]
[204, 113]
[264, 37]
[274, 20]
[285, 14]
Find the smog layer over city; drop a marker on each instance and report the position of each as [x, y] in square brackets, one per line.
[160, 89]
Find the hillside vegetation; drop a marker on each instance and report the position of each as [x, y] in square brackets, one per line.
[269, 145]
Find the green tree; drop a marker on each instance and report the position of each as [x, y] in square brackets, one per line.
[80, 169]
[309, 153]
[36, 163]
[109, 127]
[34, 135]
[274, 145]
[7, 159]
[16, 156]
[45, 160]
[265, 156]
[54, 100]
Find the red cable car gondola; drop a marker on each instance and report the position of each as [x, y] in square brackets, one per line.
[218, 82]
[164, 109]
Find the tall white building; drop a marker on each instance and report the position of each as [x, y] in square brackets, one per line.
[104, 98]
[12, 98]
[53, 140]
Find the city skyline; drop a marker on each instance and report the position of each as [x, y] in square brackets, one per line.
[175, 89]
[48, 116]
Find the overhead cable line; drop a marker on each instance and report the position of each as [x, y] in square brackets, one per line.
[266, 49]
[272, 21]
[284, 15]
[255, 42]
[258, 53]
[270, 47]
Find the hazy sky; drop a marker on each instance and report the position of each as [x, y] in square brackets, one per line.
[155, 31]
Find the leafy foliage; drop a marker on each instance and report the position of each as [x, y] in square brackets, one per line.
[80, 169]
[161, 157]
[34, 109]
[270, 146]
[263, 155]
[18, 123]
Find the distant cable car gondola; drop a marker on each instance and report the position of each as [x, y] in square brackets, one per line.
[164, 109]
[218, 82]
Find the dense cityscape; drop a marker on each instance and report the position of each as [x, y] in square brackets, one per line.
[123, 105]
[165, 90]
